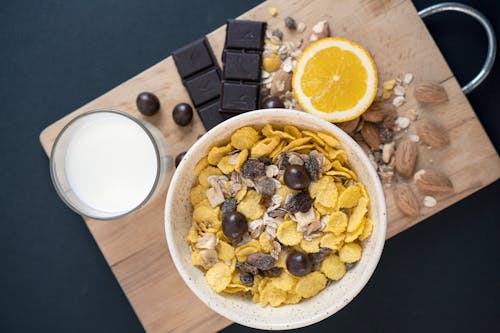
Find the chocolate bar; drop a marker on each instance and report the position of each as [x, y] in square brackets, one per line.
[242, 61]
[200, 75]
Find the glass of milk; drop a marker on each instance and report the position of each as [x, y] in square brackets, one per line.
[106, 164]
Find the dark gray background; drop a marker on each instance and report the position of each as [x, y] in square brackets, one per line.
[442, 275]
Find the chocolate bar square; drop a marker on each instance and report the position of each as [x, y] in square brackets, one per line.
[239, 97]
[210, 115]
[241, 34]
[193, 58]
[242, 66]
[204, 87]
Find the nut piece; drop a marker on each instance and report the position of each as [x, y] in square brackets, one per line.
[377, 112]
[406, 156]
[429, 201]
[319, 31]
[387, 151]
[431, 93]
[431, 180]
[290, 23]
[349, 126]
[431, 133]
[405, 200]
[371, 135]
[282, 82]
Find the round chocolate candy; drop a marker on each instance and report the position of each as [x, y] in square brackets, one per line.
[298, 263]
[147, 103]
[182, 114]
[272, 103]
[179, 158]
[234, 225]
[296, 177]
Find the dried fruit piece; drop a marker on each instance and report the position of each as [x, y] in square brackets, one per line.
[405, 200]
[247, 268]
[262, 261]
[246, 278]
[300, 202]
[228, 206]
[253, 168]
[431, 133]
[312, 167]
[430, 92]
[431, 180]
[265, 186]
[371, 135]
[406, 156]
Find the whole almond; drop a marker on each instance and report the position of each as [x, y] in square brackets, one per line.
[406, 200]
[349, 126]
[282, 82]
[371, 135]
[406, 156]
[431, 133]
[377, 112]
[431, 93]
[432, 180]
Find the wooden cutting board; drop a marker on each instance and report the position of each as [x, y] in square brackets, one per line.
[135, 246]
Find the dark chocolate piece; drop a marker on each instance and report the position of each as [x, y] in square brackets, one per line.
[194, 57]
[241, 34]
[242, 66]
[239, 97]
[204, 87]
[210, 115]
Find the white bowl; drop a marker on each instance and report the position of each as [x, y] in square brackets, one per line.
[240, 309]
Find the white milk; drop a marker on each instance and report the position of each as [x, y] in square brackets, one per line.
[111, 163]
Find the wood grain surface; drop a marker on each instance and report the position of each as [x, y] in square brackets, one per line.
[135, 246]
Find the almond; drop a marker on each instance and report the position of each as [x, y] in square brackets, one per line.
[406, 156]
[431, 93]
[431, 180]
[431, 133]
[377, 112]
[371, 135]
[282, 82]
[349, 126]
[406, 200]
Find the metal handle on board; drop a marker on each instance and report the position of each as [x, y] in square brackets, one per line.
[492, 43]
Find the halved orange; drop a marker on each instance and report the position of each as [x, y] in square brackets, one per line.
[335, 79]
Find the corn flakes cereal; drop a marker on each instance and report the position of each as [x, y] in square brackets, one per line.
[353, 235]
[311, 246]
[324, 191]
[269, 132]
[266, 242]
[310, 284]
[329, 140]
[293, 131]
[322, 209]
[192, 236]
[332, 241]
[333, 267]
[196, 259]
[234, 288]
[285, 281]
[225, 251]
[244, 250]
[287, 233]
[216, 153]
[202, 164]
[278, 149]
[203, 212]
[207, 172]
[241, 193]
[302, 148]
[242, 157]
[281, 262]
[367, 230]
[350, 252]
[337, 155]
[264, 147]
[336, 165]
[225, 164]
[272, 295]
[292, 298]
[297, 143]
[244, 138]
[198, 194]
[316, 139]
[336, 223]
[250, 206]
[357, 214]
[218, 276]
[350, 197]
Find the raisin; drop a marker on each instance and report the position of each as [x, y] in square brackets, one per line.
[262, 261]
[283, 161]
[228, 206]
[266, 160]
[253, 169]
[247, 268]
[312, 168]
[266, 201]
[290, 23]
[386, 135]
[300, 202]
[318, 257]
[246, 278]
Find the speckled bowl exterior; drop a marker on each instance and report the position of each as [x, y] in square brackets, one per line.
[237, 308]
